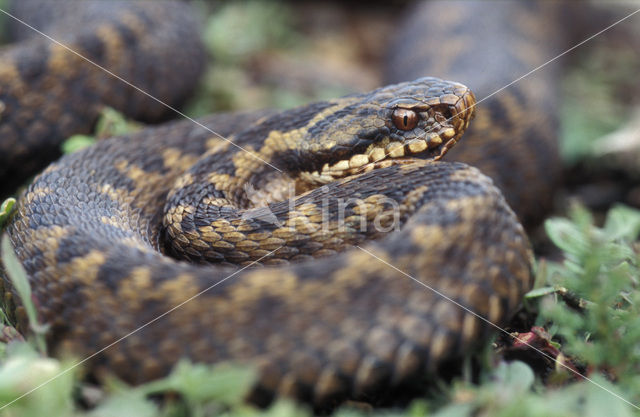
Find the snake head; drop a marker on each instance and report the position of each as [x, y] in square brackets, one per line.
[391, 125]
[325, 141]
[429, 115]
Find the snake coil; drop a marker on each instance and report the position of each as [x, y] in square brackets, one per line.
[322, 320]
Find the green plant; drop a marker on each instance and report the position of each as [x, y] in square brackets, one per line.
[5, 210]
[110, 123]
[601, 267]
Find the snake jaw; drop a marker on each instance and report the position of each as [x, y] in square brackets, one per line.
[377, 157]
[392, 125]
[447, 123]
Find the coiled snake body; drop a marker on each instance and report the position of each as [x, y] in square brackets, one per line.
[323, 320]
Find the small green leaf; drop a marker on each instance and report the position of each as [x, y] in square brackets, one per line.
[284, 408]
[5, 210]
[540, 292]
[515, 377]
[110, 123]
[457, 410]
[113, 123]
[224, 383]
[18, 276]
[601, 400]
[77, 142]
[622, 223]
[43, 383]
[128, 403]
[566, 235]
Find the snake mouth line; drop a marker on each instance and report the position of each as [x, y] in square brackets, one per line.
[433, 146]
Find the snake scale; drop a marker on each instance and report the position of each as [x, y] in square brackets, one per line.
[99, 230]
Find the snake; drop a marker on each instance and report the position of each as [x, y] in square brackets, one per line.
[343, 249]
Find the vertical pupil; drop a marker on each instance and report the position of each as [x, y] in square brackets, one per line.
[406, 119]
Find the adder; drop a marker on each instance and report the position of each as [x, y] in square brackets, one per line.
[345, 305]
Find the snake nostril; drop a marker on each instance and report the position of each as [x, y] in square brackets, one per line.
[444, 112]
[447, 113]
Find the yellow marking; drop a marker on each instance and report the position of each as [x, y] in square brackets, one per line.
[258, 236]
[424, 235]
[145, 182]
[439, 346]
[115, 194]
[221, 181]
[135, 173]
[137, 283]
[272, 243]
[247, 164]
[469, 327]
[208, 234]
[222, 245]
[215, 144]
[233, 236]
[267, 282]
[178, 289]
[131, 21]
[284, 233]
[38, 192]
[246, 245]
[63, 62]
[86, 268]
[47, 240]
[221, 202]
[10, 72]
[173, 158]
[412, 197]
[184, 180]
[356, 272]
[112, 221]
[469, 174]
[112, 41]
[495, 309]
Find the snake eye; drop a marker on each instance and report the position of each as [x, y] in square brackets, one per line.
[404, 119]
